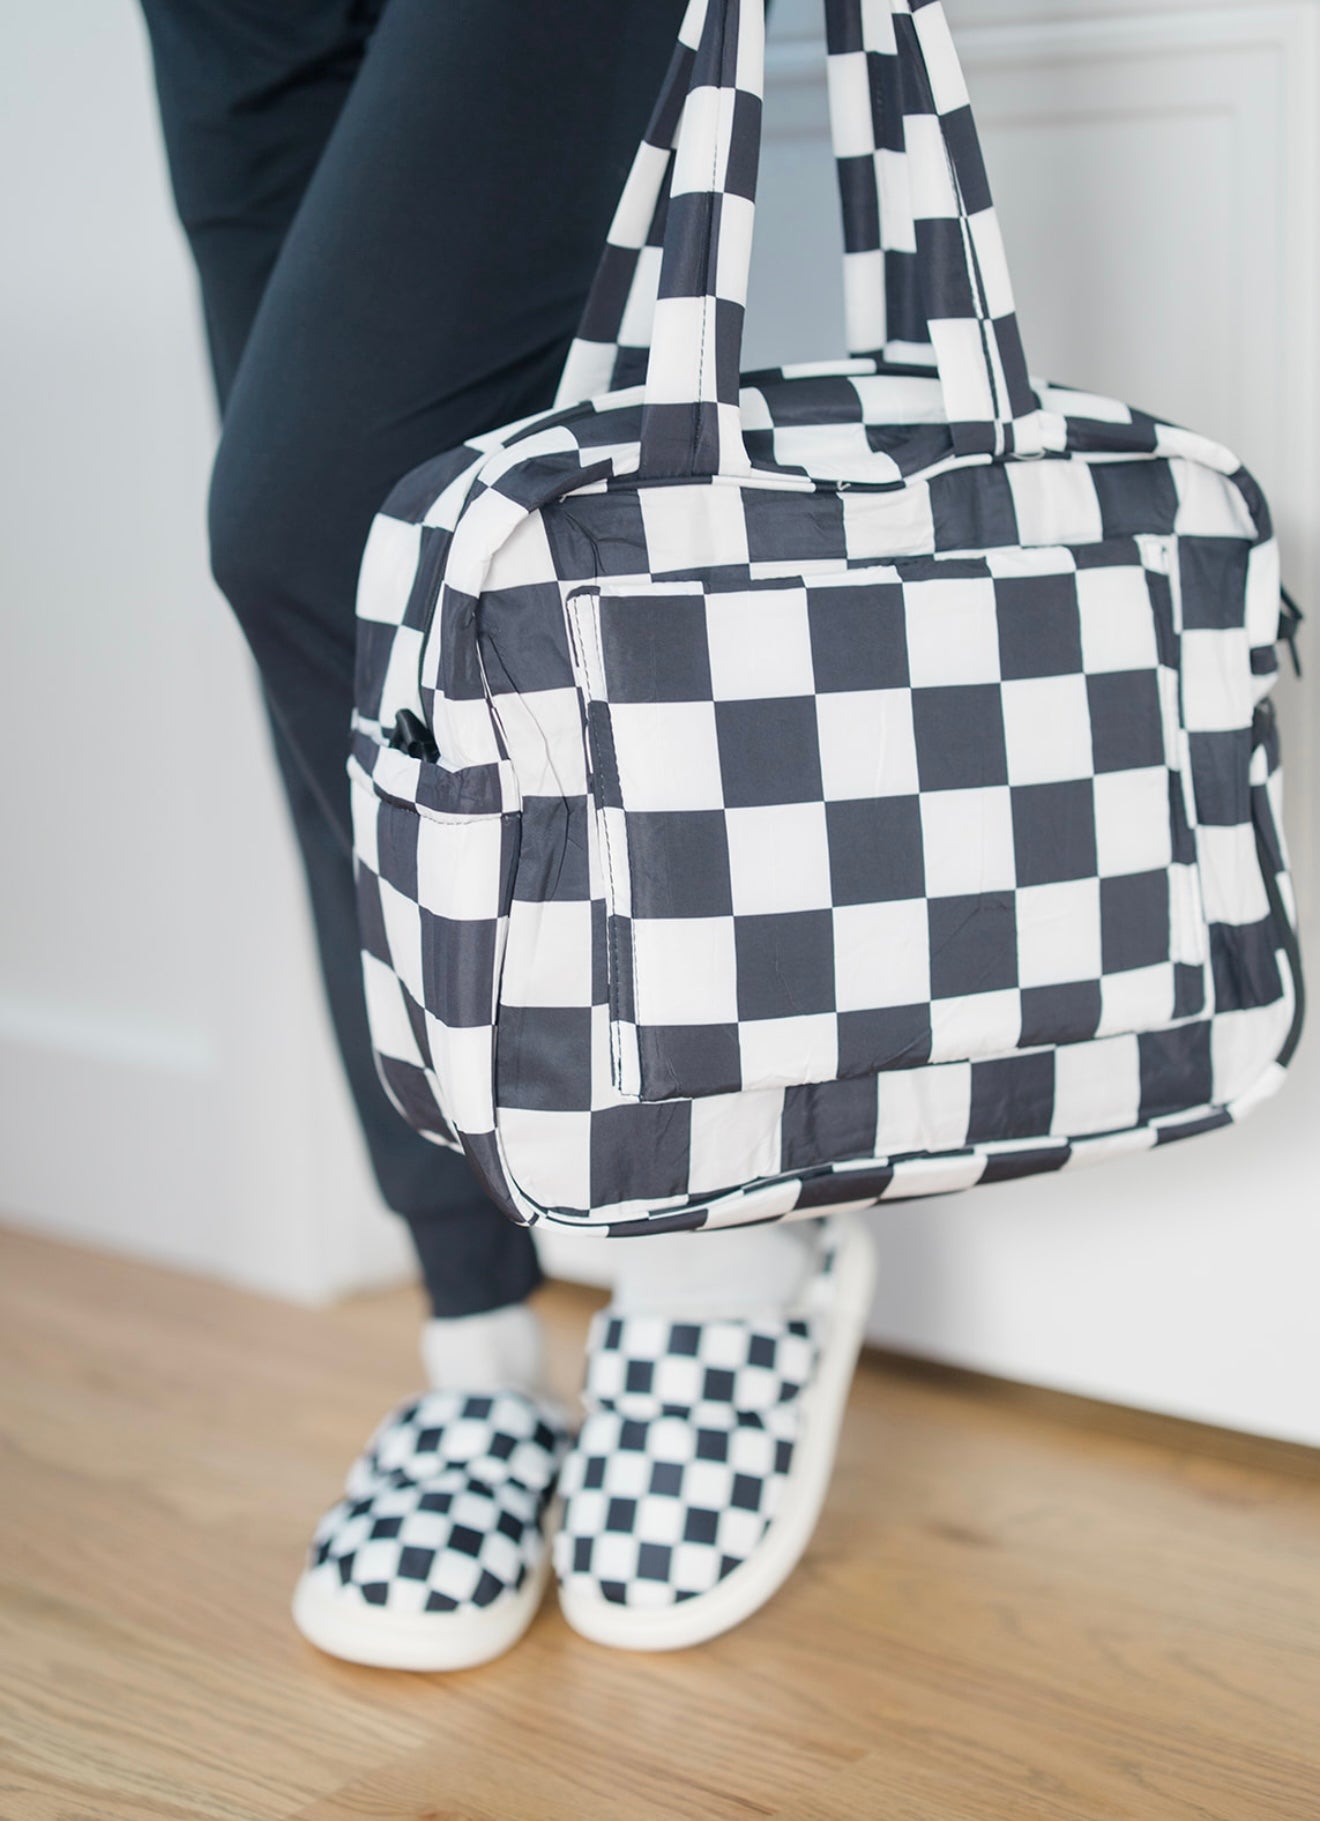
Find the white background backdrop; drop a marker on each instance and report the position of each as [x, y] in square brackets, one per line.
[167, 1080]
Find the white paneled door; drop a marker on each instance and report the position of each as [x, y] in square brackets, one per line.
[169, 1083]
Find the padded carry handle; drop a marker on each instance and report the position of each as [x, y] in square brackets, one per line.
[925, 276]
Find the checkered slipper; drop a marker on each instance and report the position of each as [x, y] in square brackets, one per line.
[700, 1470]
[435, 1555]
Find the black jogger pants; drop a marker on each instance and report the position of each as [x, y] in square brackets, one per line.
[395, 208]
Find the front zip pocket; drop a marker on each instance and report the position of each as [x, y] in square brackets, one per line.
[931, 810]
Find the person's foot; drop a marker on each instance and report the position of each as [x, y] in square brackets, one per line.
[435, 1556]
[697, 1478]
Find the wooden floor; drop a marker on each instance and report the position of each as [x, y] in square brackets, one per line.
[1015, 1605]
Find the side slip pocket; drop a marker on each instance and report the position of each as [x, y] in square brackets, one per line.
[435, 852]
[1267, 820]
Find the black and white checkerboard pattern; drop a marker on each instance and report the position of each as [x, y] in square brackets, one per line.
[680, 1463]
[924, 264]
[687, 1443]
[443, 1509]
[977, 769]
[925, 275]
[493, 876]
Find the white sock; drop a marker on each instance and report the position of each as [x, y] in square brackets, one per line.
[498, 1350]
[704, 1274]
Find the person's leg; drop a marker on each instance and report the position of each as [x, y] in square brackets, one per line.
[402, 321]
[248, 96]
[427, 289]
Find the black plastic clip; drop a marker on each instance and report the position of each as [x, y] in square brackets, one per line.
[413, 736]
[1290, 619]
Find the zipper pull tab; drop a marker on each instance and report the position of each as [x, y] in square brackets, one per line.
[413, 736]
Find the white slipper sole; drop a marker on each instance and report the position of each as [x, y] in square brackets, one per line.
[752, 1583]
[346, 1626]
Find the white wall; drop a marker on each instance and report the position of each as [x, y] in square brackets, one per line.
[167, 1079]
[167, 1083]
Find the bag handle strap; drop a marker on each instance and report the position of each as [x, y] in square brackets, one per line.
[925, 274]
[667, 303]
[613, 340]
[868, 83]
[672, 284]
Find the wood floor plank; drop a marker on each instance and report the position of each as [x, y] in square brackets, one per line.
[1017, 1607]
[129, 1722]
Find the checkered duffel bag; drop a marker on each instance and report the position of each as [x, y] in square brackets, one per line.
[835, 784]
